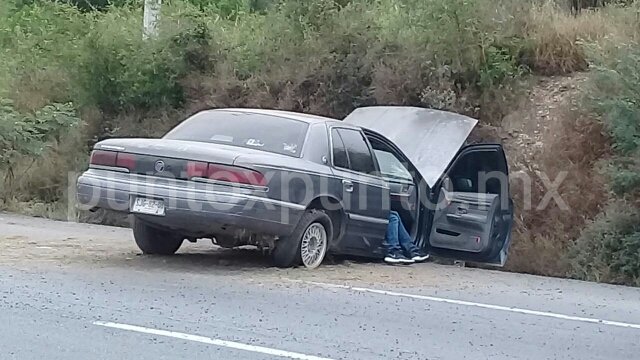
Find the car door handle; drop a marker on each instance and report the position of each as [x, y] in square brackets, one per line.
[348, 185]
[463, 208]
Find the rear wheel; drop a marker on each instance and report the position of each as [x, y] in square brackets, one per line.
[154, 241]
[307, 244]
[313, 246]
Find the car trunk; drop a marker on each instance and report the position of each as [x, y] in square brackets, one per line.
[173, 158]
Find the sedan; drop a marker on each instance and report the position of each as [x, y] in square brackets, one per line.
[301, 186]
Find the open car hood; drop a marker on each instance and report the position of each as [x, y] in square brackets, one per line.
[429, 138]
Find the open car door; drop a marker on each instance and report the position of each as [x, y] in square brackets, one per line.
[473, 215]
[467, 213]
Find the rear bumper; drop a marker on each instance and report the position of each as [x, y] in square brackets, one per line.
[193, 208]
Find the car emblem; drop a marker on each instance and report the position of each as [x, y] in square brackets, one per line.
[159, 166]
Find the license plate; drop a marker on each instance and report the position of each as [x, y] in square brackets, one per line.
[148, 206]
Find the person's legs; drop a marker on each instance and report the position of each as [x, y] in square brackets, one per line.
[394, 250]
[406, 242]
[393, 239]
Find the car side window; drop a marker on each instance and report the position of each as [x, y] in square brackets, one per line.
[339, 152]
[360, 157]
[391, 166]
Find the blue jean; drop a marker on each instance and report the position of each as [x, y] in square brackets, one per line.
[397, 236]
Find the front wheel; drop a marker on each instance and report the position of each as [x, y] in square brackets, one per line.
[307, 244]
[154, 241]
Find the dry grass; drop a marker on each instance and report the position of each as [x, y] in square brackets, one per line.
[542, 237]
[574, 144]
[33, 90]
[555, 38]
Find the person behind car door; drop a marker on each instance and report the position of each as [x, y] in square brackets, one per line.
[399, 242]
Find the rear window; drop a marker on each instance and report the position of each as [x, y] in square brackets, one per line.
[255, 131]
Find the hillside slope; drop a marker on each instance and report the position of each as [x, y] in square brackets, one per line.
[548, 136]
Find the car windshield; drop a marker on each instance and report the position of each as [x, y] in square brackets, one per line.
[391, 167]
[256, 131]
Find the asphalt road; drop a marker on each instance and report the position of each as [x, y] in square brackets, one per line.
[73, 291]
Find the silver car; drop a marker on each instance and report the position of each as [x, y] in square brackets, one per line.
[302, 185]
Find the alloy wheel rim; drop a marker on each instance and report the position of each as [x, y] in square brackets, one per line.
[313, 246]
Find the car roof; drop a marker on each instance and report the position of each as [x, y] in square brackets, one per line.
[307, 118]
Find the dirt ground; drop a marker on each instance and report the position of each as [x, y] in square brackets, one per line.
[100, 251]
[26, 243]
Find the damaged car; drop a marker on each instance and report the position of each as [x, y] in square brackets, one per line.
[302, 186]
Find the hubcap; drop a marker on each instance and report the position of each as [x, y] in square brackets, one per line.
[313, 246]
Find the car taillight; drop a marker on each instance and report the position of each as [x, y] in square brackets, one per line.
[234, 174]
[126, 161]
[196, 169]
[113, 159]
[104, 158]
[225, 173]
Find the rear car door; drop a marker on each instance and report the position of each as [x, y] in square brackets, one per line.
[473, 212]
[364, 194]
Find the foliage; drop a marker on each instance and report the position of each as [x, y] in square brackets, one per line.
[450, 47]
[121, 72]
[228, 9]
[616, 96]
[28, 135]
[609, 248]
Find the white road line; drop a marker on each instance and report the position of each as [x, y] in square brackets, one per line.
[480, 305]
[210, 341]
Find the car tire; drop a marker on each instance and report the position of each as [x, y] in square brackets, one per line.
[288, 249]
[153, 241]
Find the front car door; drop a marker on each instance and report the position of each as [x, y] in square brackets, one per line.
[365, 196]
[472, 211]
[461, 218]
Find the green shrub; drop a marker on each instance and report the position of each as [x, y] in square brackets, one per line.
[227, 9]
[616, 96]
[449, 46]
[609, 248]
[39, 44]
[120, 71]
[29, 135]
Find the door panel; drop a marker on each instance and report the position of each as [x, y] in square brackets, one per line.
[473, 218]
[465, 224]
